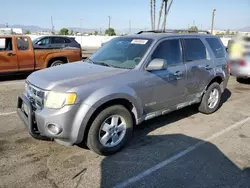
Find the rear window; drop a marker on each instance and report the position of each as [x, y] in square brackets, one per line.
[59, 40]
[5, 44]
[194, 50]
[22, 43]
[216, 46]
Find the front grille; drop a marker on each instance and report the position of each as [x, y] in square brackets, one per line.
[36, 96]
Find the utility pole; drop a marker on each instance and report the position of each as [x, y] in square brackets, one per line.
[129, 26]
[52, 26]
[81, 30]
[212, 26]
[109, 21]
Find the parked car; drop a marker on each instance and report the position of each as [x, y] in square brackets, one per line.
[127, 81]
[17, 55]
[239, 54]
[55, 42]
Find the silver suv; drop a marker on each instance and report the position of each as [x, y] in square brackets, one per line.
[127, 81]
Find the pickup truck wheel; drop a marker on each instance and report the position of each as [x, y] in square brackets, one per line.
[211, 99]
[111, 130]
[56, 63]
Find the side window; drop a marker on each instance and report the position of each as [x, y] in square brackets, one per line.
[6, 44]
[67, 40]
[22, 43]
[168, 50]
[44, 41]
[216, 46]
[194, 50]
[57, 40]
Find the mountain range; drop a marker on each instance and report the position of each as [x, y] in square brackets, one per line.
[34, 28]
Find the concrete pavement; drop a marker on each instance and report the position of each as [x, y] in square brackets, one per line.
[182, 149]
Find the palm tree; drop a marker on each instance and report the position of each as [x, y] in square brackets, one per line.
[160, 14]
[151, 13]
[154, 15]
[167, 8]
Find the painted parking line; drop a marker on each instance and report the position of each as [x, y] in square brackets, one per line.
[12, 82]
[178, 155]
[7, 113]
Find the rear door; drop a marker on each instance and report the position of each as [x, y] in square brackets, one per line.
[8, 58]
[219, 52]
[59, 42]
[199, 66]
[25, 54]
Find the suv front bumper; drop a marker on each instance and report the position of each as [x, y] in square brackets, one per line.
[72, 121]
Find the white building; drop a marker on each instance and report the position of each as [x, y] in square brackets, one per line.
[8, 30]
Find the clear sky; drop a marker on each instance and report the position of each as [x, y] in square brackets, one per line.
[230, 14]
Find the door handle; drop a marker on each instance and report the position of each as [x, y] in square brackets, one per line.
[11, 54]
[208, 67]
[178, 75]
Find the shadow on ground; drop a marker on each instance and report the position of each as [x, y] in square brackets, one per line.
[205, 166]
[13, 77]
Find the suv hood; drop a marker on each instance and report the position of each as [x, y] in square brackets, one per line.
[64, 77]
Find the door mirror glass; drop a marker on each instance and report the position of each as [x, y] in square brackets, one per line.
[156, 64]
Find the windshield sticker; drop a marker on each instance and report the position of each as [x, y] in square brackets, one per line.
[139, 41]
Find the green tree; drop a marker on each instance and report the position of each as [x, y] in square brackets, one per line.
[193, 28]
[27, 32]
[71, 32]
[64, 31]
[110, 32]
[96, 33]
[228, 32]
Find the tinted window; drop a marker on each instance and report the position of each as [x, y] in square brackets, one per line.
[5, 44]
[216, 46]
[194, 50]
[22, 43]
[58, 40]
[44, 41]
[168, 50]
[67, 40]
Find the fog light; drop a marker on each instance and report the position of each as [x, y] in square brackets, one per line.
[54, 129]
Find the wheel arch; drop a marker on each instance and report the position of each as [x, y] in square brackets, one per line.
[53, 59]
[100, 105]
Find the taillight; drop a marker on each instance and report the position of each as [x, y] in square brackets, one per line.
[242, 63]
[228, 66]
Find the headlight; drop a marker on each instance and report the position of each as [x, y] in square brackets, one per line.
[58, 100]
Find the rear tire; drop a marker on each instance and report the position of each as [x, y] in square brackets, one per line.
[102, 125]
[56, 63]
[211, 99]
[240, 80]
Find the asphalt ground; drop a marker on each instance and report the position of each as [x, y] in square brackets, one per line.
[182, 149]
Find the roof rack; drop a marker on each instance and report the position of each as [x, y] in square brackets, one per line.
[174, 31]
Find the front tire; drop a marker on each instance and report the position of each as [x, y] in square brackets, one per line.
[211, 99]
[110, 131]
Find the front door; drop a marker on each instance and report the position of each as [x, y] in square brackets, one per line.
[169, 84]
[25, 54]
[8, 58]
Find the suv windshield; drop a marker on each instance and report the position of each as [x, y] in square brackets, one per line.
[121, 52]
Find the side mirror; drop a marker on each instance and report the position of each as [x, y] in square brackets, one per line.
[156, 64]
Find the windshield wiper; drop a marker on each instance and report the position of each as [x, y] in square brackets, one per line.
[88, 59]
[103, 63]
[100, 63]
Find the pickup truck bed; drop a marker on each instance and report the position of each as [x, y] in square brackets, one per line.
[17, 55]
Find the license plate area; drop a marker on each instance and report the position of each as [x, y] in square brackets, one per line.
[25, 109]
